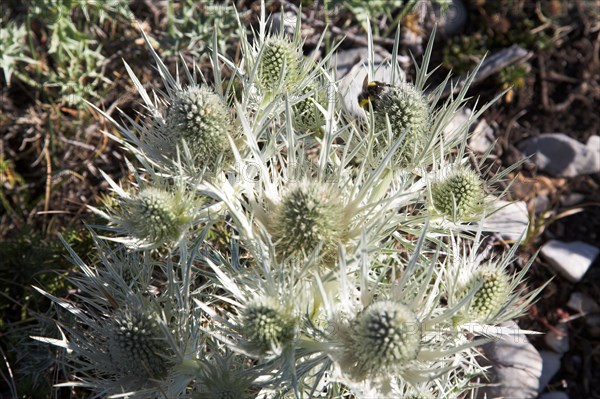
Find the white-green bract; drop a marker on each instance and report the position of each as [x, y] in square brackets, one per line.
[350, 268]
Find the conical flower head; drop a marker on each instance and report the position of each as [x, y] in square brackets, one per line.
[459, 195]
[157, 216]
[267, 326]
[408, 113]
[136, 344]
[309, 214]
[491, 296]
[383, 337]
[279, 63]
[201, 118]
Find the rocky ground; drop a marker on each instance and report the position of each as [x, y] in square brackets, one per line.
[51, 155]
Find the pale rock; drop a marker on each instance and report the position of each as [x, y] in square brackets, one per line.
[582, 303]
[510, 219]
[571, 260]
[559, 155]
[585, 305]
[550, 366]
[482, 138]
[345, 60]
[289, 22]
[516, 367]
[558, 339]
[572, 199]
[457, 123]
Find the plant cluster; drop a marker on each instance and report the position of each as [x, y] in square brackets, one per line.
[355, 265]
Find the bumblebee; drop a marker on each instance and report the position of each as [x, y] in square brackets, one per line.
[372, 90]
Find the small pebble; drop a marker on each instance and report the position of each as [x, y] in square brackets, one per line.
[558, 340]
[560, 155]
[571, 260]
[550, 366]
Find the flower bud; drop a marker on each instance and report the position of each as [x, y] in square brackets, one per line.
[267, 326]
[307, 116]
[407, 111]
[201, 118]
[309, 214]
[459, 195]
[279, 56]
[382, 338]
[137, 344]
[492, 294]
[156, 216]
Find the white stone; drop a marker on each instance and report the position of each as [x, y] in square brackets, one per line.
[510, 220]
[558, 339]
[582, 303]
[516, 367]
[585, 305]
[482, 138]
[571, 260]
[289, 22]
[550, 366]
[559, 155]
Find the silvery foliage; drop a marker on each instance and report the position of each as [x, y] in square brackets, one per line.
[340, 276]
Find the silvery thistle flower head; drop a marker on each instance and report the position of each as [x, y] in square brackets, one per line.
[480, 284]
[492, 294]
[200, 118]
[268, 325]
[150, 217]
[280, 64]
[263, 315]
[118, 339]
[127, 336]
[185, 126]
[307, 115]
[406, 110]
[382, 337]
[310, 214]
[459, 195]
[136, 343]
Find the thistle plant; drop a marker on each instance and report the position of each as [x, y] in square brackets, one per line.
[338, 280]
